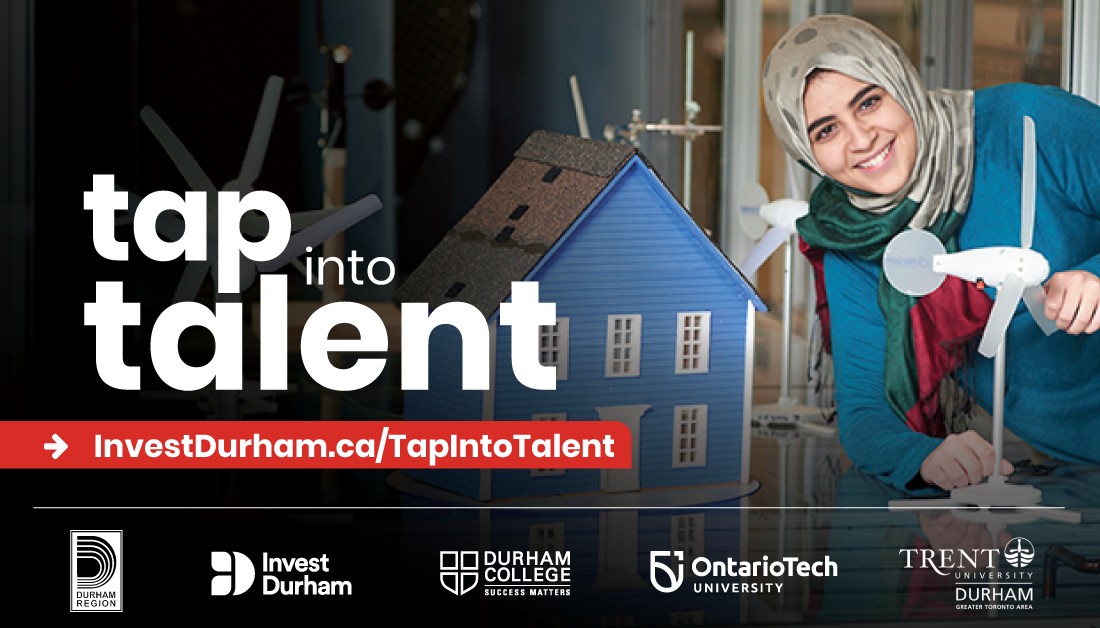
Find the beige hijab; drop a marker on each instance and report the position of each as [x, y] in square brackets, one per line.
[943, 175]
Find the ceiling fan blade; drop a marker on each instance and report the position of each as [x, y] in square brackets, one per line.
[261, 132]
[323, 230]
[760, 253]
[193, 276]
[1035, 299]
[187, 165]
[1027, 189]
[1008, 297]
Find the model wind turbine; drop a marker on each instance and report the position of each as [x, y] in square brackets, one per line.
[915, 263]
[774, 224]
[314, 227]
[311, 229]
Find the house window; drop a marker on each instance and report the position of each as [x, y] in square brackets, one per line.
[624, 345]
[548, 537]
[687, 536]
[547, 417]
[693, 342]
[554, 346]
[689, 438]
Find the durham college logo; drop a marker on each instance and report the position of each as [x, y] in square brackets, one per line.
[506, 573]
[95, 570]
[458, 571]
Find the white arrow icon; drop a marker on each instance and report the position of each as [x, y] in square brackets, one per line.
[59, 446]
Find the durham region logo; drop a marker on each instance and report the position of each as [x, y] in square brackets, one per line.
[95, 570]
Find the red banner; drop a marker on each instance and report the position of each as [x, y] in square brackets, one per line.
[315, 445]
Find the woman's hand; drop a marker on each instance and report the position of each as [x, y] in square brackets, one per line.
[1073, 300]
[961, 460]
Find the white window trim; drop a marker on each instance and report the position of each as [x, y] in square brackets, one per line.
[635, 346]
[700, 436]
[704, 343]
[550, 416]
[562, 364]
[558, 527]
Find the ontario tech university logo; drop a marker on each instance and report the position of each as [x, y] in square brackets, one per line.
[676, 578]
[95, 570]
[236, 573]
[731, 576]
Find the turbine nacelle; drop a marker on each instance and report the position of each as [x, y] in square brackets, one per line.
[993, 264]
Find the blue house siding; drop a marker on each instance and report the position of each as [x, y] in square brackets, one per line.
[635, 252]
[445, 401]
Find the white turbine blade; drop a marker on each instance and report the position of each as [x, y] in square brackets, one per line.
[190, 282]
[760, 253]
[578, 107]
[1035, 298]
[1027, 191]
[323, 230]
[261, 132]
[187, 165]
[255, 223]
[301, 220]
[1008, 297]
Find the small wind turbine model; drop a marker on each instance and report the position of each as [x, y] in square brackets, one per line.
[312, 228]
[774, 224]
[915, 263]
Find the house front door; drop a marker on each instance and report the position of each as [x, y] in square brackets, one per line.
[617, 480]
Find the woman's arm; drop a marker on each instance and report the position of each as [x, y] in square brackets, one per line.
[874, 437]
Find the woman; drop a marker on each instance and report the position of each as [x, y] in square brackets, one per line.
[847, 104]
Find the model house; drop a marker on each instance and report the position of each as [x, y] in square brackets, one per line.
[654, 324]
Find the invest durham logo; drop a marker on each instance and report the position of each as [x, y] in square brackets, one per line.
[95, 570]
[235, 574]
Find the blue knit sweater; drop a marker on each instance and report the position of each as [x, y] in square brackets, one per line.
[1053, 383]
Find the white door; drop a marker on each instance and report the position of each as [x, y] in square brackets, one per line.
[617, 480]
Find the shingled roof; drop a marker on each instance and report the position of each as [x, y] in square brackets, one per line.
[548, 185]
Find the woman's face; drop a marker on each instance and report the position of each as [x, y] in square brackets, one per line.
[861, 136]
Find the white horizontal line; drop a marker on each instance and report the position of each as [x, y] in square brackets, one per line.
[457, 507]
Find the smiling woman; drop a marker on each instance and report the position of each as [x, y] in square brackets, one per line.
[847, 104]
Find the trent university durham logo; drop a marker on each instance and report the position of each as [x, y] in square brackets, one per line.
[95, 570]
